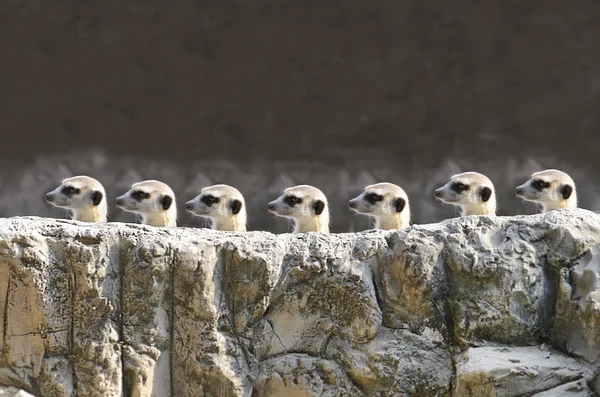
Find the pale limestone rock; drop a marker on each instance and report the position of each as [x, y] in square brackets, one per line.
[396, 363]
[410, 277]
[577, 319]
[145, 270]
[578, 388]
[514, 371]
[323, 292]
[119, 309]
[298, 375]
[13, 392]
[206, 359]
[503, 272]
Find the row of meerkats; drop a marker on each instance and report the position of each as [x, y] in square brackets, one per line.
[306, 205]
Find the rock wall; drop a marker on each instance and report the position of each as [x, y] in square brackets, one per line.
[469, 307]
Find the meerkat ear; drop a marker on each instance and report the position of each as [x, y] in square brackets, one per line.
[97, 197]
[485, 193]
[166, 202]
[399, 204]
[566, 191]
[236, 206]
[318, 206]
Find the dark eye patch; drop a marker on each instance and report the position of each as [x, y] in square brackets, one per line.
[70, 191]
[139, 195]
[292, 200]
[209, 199]
[373, 198]
[540, 185]
[459, 187]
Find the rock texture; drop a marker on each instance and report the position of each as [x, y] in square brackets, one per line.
[470, 307]
[505, 371]
[13, 392]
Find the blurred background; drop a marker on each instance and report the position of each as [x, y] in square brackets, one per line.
[264, 95]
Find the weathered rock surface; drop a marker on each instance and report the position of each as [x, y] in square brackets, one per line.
[13, 392]
[577, 328]
[475, 306]
[505, 371]
[577, 388]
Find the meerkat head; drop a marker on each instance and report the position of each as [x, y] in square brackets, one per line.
[306, 205]
[386, 202]
[153, 200]
[552, 189]
[473, 192]
[223, 204]
[83, 196]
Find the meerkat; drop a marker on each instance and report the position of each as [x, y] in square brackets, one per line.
[473, 192]
[83, 196]
[386, 203]
[306, 205]
[153, 200]
[551, 189]
[223, 205]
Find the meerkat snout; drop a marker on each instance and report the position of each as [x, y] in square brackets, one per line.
[386, 203]
[551, 189]
[154, 201]
[306, 205]
[472, 192]
[224, 205]
[83, 196]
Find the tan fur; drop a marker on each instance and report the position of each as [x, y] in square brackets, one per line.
[383, 211]
[469, 201]
[80, 204]
[151, 208]
[551, 197]
[303, 214]
[220, 212]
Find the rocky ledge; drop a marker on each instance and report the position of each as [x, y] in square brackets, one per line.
[476, 306]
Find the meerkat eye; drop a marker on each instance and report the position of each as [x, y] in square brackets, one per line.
[540, 185]
[459, 187]
[292, 200]
[209, 199]
[70, 191]
[140, 195]
[373, 198]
